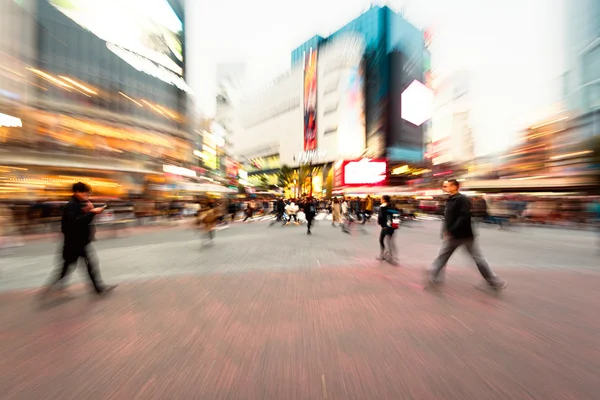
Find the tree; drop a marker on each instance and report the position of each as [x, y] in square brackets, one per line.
[286, 176]
[264, 181]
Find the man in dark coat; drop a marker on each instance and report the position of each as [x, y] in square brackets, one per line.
[457, 231]
[310, 210]
[78, 233]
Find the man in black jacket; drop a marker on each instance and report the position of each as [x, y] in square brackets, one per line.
[458, 231]
[78, 232]
[310, 210]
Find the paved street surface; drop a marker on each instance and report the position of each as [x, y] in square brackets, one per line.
[271, 313]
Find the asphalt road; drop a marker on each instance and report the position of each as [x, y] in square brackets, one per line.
[271, 313]
[257, 246]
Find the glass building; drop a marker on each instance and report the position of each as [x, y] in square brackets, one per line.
[74, 43]
[582, 83]
[395, 56]
[98, 87]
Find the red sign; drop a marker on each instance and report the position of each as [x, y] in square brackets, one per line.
[361, 173]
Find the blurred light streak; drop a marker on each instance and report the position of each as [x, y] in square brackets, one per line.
[529, 177]
[550, 122]
[129, 98]
[578, 153]
[154, 108]
[50, 78]
[167, 111]
[79, 85]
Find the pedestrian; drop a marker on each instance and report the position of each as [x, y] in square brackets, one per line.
[368, 209]
[458, 231]
[292, 211]
[310, 210]
[207, 221]
[389, 221]
[347, 214]
[336, 212]
[78, 232]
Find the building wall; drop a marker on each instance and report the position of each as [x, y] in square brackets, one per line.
[273, 119]
[17, 46]
[582, 51]
[66, 48]
[386, 35]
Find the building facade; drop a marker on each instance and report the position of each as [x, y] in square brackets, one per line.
[582, 80]
[311, 116]
[395, 56]
[105, 92]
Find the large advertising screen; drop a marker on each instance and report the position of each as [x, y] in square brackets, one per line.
[365, 172]
[149, 28]
[310, 100]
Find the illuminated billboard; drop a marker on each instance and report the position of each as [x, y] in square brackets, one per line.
[149, 28]
[351, 125]
[363, 172]
[310, 101]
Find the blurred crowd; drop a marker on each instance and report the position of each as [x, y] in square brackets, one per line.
[23, 218]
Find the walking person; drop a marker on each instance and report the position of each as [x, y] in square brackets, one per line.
[458, 231]
[292, 211]
[347, 215]
[336, 212]
[368, 209]
[389, 221]
[78, 232]
[310, 210]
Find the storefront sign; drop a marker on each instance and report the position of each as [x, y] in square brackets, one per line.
[311, 156]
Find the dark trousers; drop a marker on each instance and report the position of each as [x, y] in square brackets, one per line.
[448, 248]
[389, 233]
[366, 215]
[309, 221]
[71, 254]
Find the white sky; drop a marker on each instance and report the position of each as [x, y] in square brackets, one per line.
[513, 48]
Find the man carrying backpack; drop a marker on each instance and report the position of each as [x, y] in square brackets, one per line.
[389, 220]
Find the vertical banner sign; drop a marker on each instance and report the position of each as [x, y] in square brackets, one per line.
[310, 100]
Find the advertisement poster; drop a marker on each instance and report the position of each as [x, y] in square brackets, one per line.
[310, 101]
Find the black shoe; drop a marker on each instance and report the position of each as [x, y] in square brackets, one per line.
[309, 233]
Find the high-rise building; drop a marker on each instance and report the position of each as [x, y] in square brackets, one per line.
[105, 89]
[395, 56]
[582, 80]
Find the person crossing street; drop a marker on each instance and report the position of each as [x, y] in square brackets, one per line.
[458, 231]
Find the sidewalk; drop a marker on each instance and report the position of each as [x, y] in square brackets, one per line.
[321, 333]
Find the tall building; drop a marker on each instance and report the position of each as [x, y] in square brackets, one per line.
[106, 96]
[395, 56]
[582, 80]
[230, 84]
[312, 116]
[452, 140]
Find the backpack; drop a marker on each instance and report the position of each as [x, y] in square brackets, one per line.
[393, 219]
